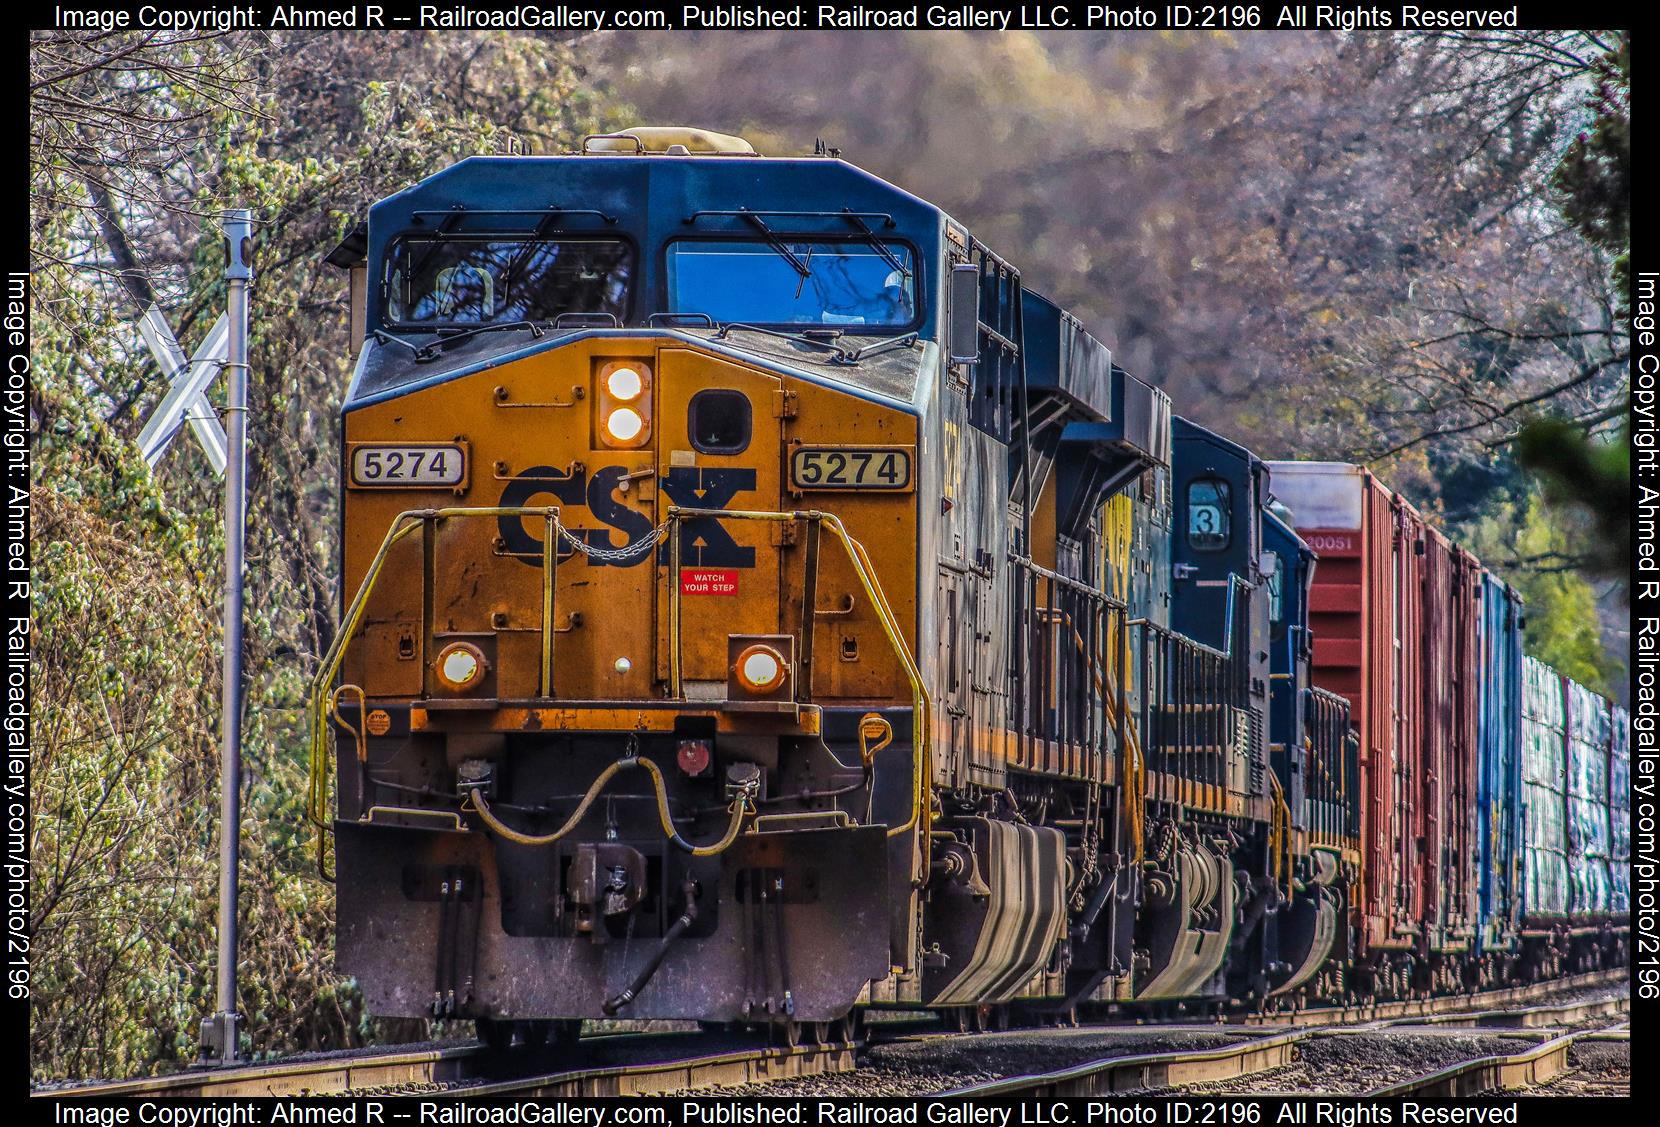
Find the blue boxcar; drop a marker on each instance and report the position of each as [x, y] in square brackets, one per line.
[1499, 780]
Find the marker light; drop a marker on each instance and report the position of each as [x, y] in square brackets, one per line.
[624, 384]
[460, 666]
[760, 669]
[623, 665]
[624, 424]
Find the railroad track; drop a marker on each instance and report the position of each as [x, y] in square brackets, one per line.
[465, 1070]
[1147, 1070]
[722, 1069]
[1431, 1007]
[1219, 1065]
[1530, 1068]
[686, 1063]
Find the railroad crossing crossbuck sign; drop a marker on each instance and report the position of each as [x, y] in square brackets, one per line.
[186, 400]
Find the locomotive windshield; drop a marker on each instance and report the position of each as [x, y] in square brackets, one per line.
[794, 282]
[451, 281]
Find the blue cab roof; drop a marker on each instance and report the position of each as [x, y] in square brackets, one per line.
[650, 200]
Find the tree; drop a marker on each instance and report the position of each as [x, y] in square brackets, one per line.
[142, 138]
[1580, 469]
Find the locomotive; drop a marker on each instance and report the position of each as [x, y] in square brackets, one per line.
[761, 607]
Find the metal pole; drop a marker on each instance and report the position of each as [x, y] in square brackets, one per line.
[220, 1033]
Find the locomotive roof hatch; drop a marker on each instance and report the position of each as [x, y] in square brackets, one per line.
[666, 140]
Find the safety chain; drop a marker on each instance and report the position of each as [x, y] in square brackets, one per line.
[617, 555]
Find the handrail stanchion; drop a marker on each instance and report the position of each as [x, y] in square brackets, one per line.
[429, 596]
[550, 566]
[809, 611]
[674, 603]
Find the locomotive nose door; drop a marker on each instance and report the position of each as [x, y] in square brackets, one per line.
[718, 443]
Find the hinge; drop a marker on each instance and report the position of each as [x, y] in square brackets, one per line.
[786, 405]
[783, 534]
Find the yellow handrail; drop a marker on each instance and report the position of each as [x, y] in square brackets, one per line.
[320, 697]
[1134, 780]
[1279, 835]
[921, 714]
[405, 523]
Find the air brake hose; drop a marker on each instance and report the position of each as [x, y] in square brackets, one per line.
[743, 803]
[676, 930]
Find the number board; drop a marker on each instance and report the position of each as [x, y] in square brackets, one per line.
[880, 468]
[408, 465]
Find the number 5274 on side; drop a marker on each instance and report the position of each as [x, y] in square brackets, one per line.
[409, 465]
[851, 467]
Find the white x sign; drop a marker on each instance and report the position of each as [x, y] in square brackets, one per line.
[185, 401]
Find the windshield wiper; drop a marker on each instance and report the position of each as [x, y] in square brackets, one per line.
[903, 340]
[433, 349]
[799, 338]
[778, 245]
[421, 351]
[876, 244]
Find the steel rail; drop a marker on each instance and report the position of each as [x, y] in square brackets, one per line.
[749, 1066]
[1147, 1070]
[1182, 1068]
[1526, 1069]
[460, 1064]
[459, 1067]
[1427, 1007]
[1569, 1013]
[337, 1073]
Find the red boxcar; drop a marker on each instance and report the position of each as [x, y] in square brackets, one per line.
[1395, 613]
[1450, 648]
[1366, 615]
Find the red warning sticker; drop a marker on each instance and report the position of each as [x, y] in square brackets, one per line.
[707, 581]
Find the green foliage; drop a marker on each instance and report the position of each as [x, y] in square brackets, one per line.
[1531, 548]
[1594, 177]
[1579, 471]
[129, 566]
[1590, 477]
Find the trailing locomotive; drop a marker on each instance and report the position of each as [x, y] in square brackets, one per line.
[762, 606]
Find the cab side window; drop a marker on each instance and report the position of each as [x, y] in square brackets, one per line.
[1274, 579]
[1209, 520]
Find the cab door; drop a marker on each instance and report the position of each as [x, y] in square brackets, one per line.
[718, 442]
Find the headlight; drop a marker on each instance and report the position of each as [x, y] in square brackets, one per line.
[624, 384]
[622, 403]
[624, 424]
[460, 666]
[760, 669]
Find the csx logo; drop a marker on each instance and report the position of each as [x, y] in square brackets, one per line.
[704, 542]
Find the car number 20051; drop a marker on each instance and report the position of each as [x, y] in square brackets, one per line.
[408, 466]
[851, 467]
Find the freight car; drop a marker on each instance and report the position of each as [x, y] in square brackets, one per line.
[761, 607]
[1488, 810]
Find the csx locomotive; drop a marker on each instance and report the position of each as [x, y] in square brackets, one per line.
[761, 607]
